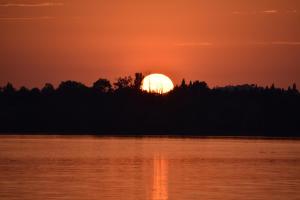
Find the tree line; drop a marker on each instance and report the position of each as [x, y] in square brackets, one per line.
[121, 107]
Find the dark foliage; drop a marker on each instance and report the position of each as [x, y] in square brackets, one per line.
[190, 109]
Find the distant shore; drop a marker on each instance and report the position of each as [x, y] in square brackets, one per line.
[190, 109]
[153, 134]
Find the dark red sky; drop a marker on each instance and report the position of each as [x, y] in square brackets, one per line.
[218, 41]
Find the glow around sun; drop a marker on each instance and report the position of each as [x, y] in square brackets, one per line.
[157, 83]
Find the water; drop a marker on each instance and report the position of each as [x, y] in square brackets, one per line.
[47, 167]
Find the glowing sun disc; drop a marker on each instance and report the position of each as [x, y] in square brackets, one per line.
[157, 83]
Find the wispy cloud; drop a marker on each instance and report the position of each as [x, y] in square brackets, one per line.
[291, 11]
[191, 44]
[270, 11]
[45, 4]
[264, 12]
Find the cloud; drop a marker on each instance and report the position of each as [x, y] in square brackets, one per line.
[45, 4]
[267, 12]
[270, 11]
[195, 44]
[291, 11]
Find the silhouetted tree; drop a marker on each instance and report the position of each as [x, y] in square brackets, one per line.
[295, 88]
[23, 91]
[267, 87]
[123, 83]
[272, 86]
[48, 89]
[9, 89]
[138, 80]
[102, 85]
[183, 84]
[71, 86]
[199, 86]
[35, 93]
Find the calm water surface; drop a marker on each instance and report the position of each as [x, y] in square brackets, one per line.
[47, 167]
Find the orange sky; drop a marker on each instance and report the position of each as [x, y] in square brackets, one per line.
[219, 41]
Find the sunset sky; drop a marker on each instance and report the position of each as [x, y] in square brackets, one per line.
[219, 41]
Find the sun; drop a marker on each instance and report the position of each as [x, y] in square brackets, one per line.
[157, 83]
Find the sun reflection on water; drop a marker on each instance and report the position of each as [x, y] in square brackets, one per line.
[160, 178]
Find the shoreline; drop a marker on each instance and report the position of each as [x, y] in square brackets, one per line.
[154, 135]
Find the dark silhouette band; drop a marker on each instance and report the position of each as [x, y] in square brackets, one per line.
[122, 108]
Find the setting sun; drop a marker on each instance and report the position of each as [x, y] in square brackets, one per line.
[157, 83]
